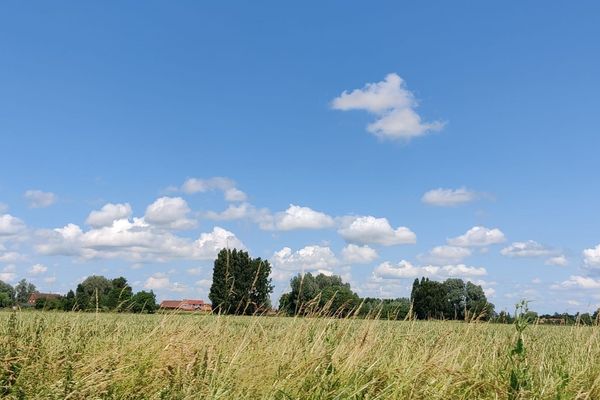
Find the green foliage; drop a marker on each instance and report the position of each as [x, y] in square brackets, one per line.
[241, 284]
[23, 291]
[519, 380]
[391, 309]
[7, 295]
[322, 294]
[143, 302]
[451, 299]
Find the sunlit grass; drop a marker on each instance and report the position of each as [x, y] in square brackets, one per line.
[174, 356]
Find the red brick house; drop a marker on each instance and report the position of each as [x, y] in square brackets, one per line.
[45, 296]
[186, 305]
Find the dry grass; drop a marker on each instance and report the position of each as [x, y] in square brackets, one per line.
[47, 355]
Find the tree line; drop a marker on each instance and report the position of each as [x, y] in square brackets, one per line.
[95, 293]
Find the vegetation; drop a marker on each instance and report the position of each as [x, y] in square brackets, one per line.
[95, 293]
[240, 284]
[54, 355]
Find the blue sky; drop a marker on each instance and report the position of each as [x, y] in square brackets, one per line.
[377, 141]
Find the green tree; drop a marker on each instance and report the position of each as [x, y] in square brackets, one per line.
[319, 294]
[23, 291]
[119, 294]
[241, 284]
[456, 298]
[477, 304]
[7, 295]
[92, 293]
[143, 302]
[429, 299]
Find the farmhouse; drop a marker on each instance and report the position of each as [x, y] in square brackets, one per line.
[44, 296]
[185, 305]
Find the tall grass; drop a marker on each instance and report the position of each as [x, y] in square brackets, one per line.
[46, 355]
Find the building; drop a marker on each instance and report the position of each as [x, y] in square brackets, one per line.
[44, 296]
[186, 305]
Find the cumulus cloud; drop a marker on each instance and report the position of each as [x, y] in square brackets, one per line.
[170, 212]
[296, 217]
[157, 281]
[107, 214]
[591, 257]
[226, 185]
[40, 199]
[579, 282]
[446, 254]
[478, 236]
[449, 197]
[8, 273]
[392, 104]
[318, 259]
[405, 269]
[371, 230]
[354, 254]
[560, 261]
[529, 248]
[134, 240]
[10, 226]
[38, 269]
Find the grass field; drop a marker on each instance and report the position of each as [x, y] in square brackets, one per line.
[48, 355]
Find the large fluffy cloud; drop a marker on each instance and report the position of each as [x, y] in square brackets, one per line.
[393, 105]
[40, 199]
[297, 217]
[135, 240]
[170, 212]
[371, 230]
[354, 254]
[449, 197]
[107, 214]
[405, 269]
[310, 258]
[478, 236]
[226, 185]
[591, 257]
[10, 226]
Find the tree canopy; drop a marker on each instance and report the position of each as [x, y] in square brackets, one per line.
[241, 284]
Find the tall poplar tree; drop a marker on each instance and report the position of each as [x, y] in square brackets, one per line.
[241, 284]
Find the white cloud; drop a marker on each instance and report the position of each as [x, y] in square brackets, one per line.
[371, 230]
[405, 269]
[38, 269]
[560, 261]
[393, 105]
[226, 185]
[157, 281]
[107, 214]
[591, 257]
[354, 254]
[580, 282]
[309, 258]
[529, 248]
[446, 254]
[10, 226]
[133, 240]
[10, 256]
[478, 236]
[8, 273]
[449, 197]
[297, 217]
[40, 199]
[170, 212]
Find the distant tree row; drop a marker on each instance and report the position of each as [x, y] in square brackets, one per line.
[95, 293]
[329, 295]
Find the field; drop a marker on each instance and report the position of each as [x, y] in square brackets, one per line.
[47, 355]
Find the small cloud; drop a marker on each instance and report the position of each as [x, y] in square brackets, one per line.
[392, 104]
[591, 257]
[529, 248]
[478, 236]
[560, 261]
[108, 214]
[170, 212]
[449, 197]
[297, 217]
[226, 185]
[40, 199]
[354, 254]
[446, 255]
[38, 269]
